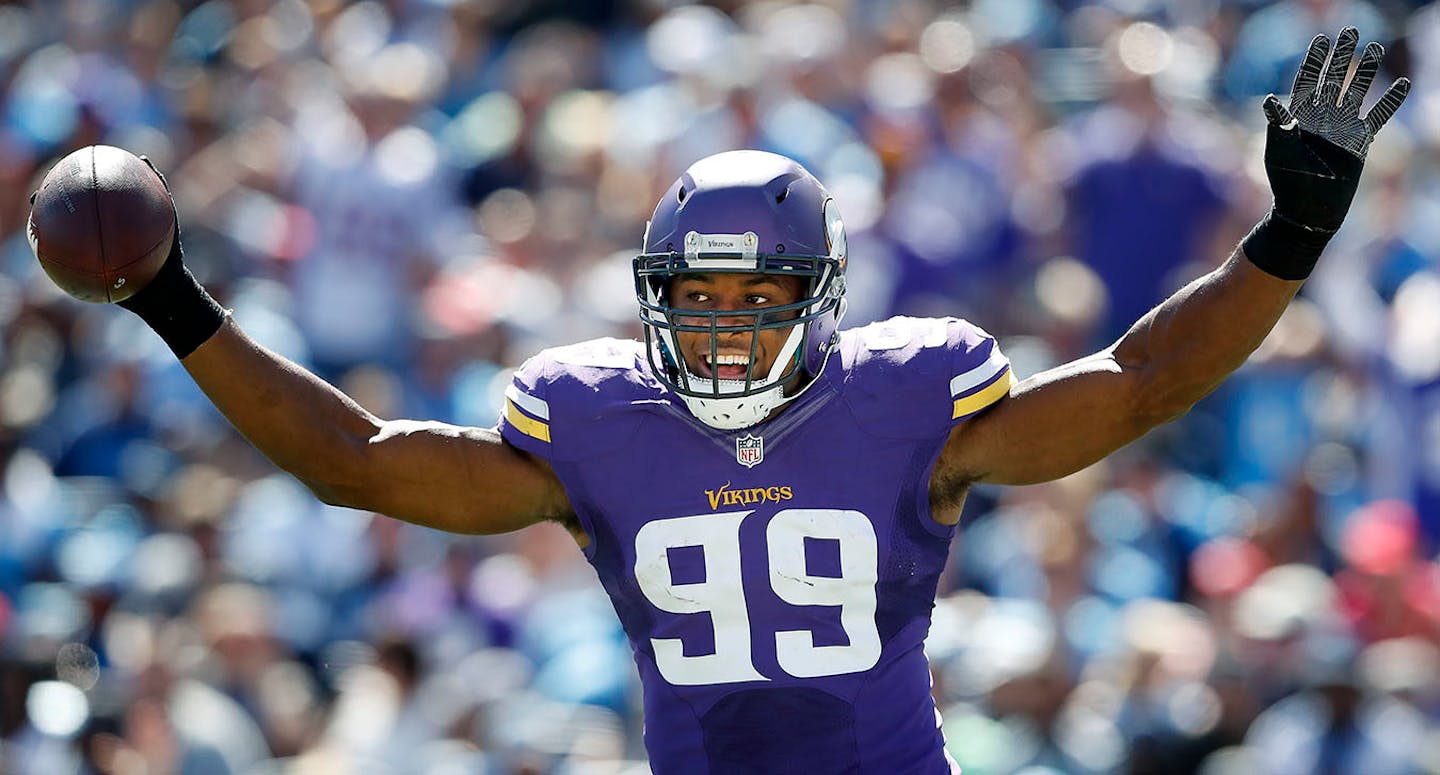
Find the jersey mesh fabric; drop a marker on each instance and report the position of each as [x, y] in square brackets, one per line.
[777, 610]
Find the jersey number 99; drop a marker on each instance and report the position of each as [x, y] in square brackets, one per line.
[720, 593]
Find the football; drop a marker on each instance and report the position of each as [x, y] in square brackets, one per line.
[101, 224]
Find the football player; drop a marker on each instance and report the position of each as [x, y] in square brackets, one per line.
[767, 499]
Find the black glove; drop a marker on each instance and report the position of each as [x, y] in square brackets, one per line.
[174, 304]
[1314, 152]
[174, 265]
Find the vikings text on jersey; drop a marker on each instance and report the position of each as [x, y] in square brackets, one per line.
[776, 585]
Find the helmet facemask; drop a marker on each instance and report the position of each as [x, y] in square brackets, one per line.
[747, 213]
[728, 403]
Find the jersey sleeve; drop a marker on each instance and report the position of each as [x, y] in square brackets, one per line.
[570, 403]
[982, 373]
[525, 416]
[919, 377]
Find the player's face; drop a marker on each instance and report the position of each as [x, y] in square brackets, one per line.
[732, 292]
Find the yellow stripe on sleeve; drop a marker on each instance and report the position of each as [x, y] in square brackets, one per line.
[974, 403]
[524, 424]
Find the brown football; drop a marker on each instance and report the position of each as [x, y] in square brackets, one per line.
[101, 224]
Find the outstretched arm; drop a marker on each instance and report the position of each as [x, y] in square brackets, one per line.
[463, 480]
[1062, 420]
[1065, 419]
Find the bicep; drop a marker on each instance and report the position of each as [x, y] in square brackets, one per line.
[457, 479]
[1051, 425]
[1067, 418]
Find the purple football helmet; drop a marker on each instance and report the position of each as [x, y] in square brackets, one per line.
[743, 212]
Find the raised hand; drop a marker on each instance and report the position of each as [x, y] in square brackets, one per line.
[1315, 150]
[1320, 103]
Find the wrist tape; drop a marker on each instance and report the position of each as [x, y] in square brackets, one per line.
[1284, 248]
[178, 308]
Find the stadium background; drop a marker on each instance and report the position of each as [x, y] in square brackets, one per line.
[411, 197]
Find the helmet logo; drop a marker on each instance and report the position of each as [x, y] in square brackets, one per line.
[700, 246]
[749, 450]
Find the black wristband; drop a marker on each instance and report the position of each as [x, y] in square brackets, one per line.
[1284, 248]
[177, 307]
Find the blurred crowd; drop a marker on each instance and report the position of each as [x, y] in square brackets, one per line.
[412, 196]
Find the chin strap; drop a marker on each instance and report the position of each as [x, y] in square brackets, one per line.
[732, 414]
[736, 412]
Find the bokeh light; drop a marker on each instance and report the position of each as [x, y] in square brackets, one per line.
[412, 198]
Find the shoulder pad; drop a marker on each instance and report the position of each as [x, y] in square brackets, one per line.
[571, 402]
[919, 377]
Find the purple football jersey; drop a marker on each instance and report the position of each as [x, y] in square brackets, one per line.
[775, 582]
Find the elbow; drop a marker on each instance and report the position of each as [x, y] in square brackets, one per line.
[331, 495]
[1156, 402]
[1149, 395]
[348, 480]
[335, 493]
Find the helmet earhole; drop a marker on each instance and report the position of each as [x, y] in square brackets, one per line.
[780, 197]
[680, 197]
[779, 248]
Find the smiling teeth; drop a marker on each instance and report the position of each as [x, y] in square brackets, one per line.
[729, 360]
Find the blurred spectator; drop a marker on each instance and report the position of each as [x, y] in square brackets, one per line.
[1268, 47]
[376, 188]
[415, 196]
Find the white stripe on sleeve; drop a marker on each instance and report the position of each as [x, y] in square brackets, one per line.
[528, 402]
[981, 374]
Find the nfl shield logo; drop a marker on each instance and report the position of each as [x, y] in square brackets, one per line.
[749, 450]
